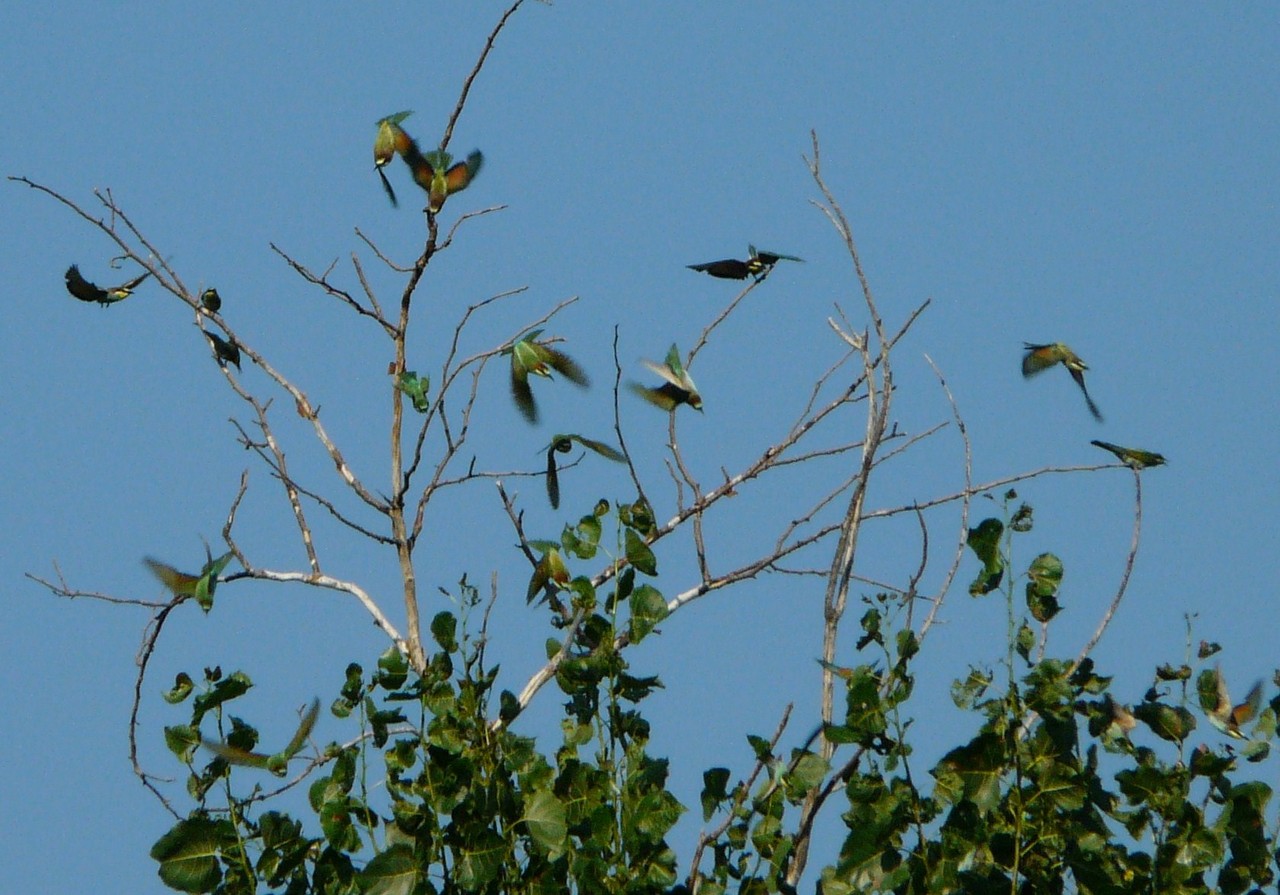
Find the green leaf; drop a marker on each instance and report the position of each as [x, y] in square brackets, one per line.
[1172, 723]
[444, 630]
[225, 690]
[544, 815]
[182, 686]
[479, 860]
[648, 608]
[639, 554]
[760, 746]
[808, 772]
[393, 669]
[188, 854]
[639, 516]
[985, 542]
[714, 790]
[394, 871]
[1025, 641]
[182, 740]
[1045, 573]
[972, 772]
[1044, 578]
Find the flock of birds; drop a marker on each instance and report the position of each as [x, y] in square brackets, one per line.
[437, 174]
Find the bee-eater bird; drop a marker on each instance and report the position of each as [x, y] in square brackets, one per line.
[277, 763]
[676, 390]
[549, 572]
[211, 301]
[563, 444]
[539, 358]
[437, 173]
[1216, 702]
[225, 351]
[1041, 357]
[181, 584]
[86, 291]
[391, 139]
[1132, 457]
[758, 265]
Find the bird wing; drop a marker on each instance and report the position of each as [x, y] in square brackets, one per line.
[81, 288]
[521, 393]
[565, 365]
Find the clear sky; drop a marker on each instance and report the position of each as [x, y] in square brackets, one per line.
[1097, 174]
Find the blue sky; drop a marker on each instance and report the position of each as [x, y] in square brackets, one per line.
[1101, 175]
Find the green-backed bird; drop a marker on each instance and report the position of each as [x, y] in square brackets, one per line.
[181, 584]
[1041, 357]
[437, 173]
[391, 139]
[277, 763]
[1132, 457]
[563, 444]
[550, 572]
[531, 356]
[758, 265]
[82, 289]
[1216, 702]
[676, 390]
[225, 351]
[211, 301]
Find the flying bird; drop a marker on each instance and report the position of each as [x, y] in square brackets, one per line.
[1041, 357]
[676, 390]
[277, 763]
[391, 139]
[758, 265]
[1216, 702]
[183, 585]
[437, 173]
[531, 356]
[563, 444]
[82, 289]
[1132, 457]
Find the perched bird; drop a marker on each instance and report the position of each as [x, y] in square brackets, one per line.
[678, 388]
[277, 763]
[225, 351]
[564, 444]
[758, 265]
[391, 139]
[86, 291]
[211, 301]
[437, 173]
[1041, 357]
[550, 572]
[1132, 457]
[1216, 702]
[531, 356]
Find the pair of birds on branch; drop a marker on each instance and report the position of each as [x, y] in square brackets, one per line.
[1043, 357]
